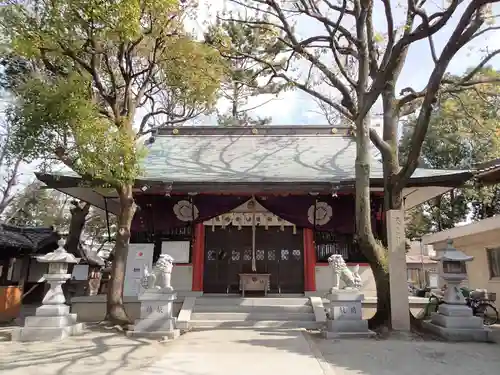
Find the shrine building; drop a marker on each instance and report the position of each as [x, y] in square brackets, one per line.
[230, 201]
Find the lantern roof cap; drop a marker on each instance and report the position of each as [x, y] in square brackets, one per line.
[60, 255]
[452, 254]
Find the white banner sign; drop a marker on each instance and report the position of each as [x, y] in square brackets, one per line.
[179, 250]
[139, 255]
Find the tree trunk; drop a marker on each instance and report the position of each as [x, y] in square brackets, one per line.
[115, 308]
[372, 249]
[382, 316]
[79, 213]
[393, 186]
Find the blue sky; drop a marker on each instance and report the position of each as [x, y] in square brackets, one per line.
[297, 107]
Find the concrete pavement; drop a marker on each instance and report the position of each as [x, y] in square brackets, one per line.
[246, 352]
[218, 352]
[241, 352]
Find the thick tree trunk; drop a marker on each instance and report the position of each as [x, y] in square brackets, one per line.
[382, 316]
[115, 309]
[371, 248]
[393, 185]
[79, 213]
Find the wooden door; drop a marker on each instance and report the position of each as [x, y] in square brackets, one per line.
[228, 252]
[283, 258]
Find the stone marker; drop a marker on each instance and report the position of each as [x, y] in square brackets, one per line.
[400, 306]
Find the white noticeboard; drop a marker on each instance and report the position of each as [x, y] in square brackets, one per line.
[179, 250]
[139, 255]
[80, 272]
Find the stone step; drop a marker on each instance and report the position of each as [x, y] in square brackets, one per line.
[224, 324]
[252, 301]
[252, 309]
[253, 316]
[46, 333]
[50, 321]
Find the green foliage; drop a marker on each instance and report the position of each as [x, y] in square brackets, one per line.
[242, 119]
[79, 71]
[39, 207]
[49, 113]
[192, 71]
[464, 131]
[245, 78]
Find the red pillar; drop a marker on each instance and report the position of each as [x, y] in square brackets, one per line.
[309, 261]
[198, 257]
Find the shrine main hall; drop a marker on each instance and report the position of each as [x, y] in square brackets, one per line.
[233, 201]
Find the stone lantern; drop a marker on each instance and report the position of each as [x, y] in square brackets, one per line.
[453, 271]
[52, 320]
[454, 320]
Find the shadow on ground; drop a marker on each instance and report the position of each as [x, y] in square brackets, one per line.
[99, 351]
[402, 355]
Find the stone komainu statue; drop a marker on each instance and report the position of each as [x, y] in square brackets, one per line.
[351, 279]
[160, 277]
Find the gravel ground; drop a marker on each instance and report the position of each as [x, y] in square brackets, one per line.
[97, 352]
[240, 352]
[408, 355]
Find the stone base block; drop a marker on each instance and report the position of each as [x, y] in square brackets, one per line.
[347, 326]
[455, 310]
[170, 335]
[46, 333]
[345, 310]
[457, 322]
[50, 321]
[456, 334]
[344, 335]
[184, 325]
[345, 295]
[152, 325]
[52, 310]
[157, 295]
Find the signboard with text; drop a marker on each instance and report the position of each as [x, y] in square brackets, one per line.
[139, 256]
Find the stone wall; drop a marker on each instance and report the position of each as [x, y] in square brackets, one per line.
[93, 308]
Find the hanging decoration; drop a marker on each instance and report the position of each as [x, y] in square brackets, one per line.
[240, 220]
[323, 213]
[185, 211]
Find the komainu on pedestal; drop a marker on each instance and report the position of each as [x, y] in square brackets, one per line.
[345, 311]
[156, 319]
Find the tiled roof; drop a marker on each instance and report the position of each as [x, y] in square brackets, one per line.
[419, 259]
[26, 238]
[260, 158]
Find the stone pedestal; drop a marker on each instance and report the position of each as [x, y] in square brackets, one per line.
[345, 315]
[457, 323]
[156, 315]
[52, 320]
